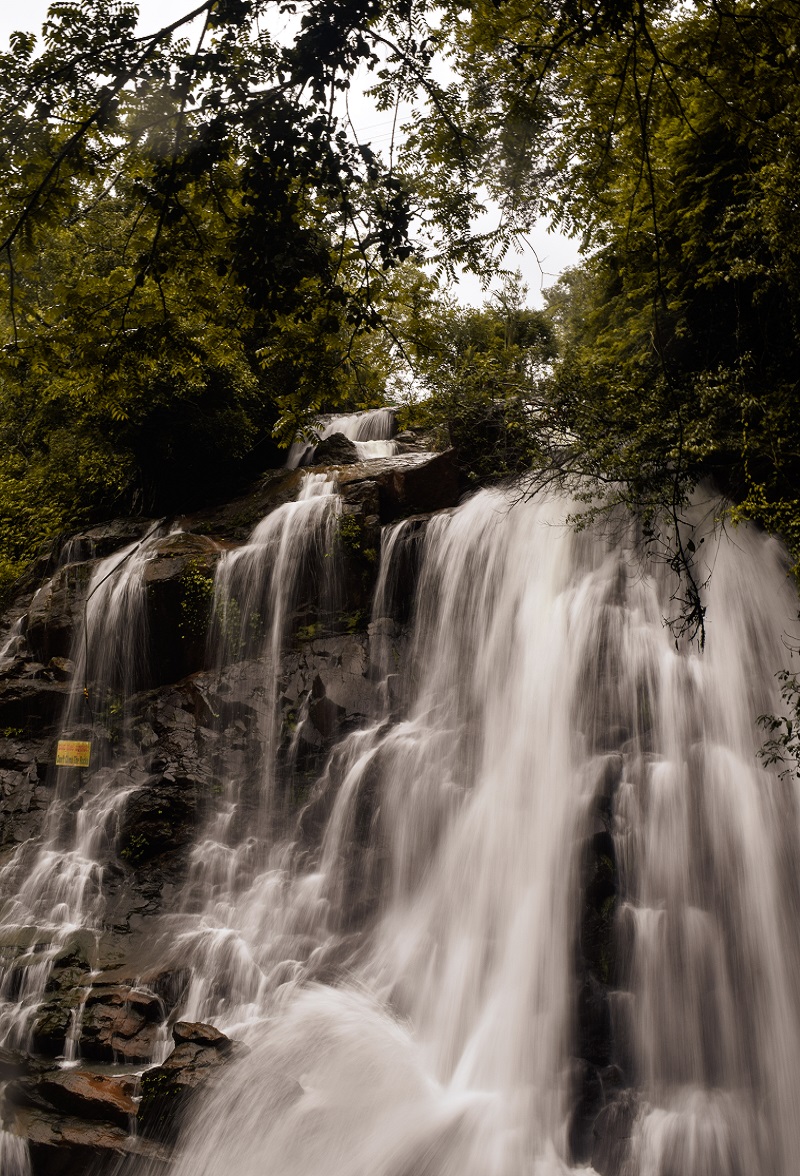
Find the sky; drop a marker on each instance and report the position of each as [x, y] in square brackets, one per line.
[543, 256]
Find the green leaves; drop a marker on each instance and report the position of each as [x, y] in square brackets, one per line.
[483, 373]
[783, 744]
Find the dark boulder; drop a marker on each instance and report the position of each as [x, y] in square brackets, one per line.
[31, 707]
[196, 1033]
[56, 611]
[612, 1133]
[179, 582]
[233, 521]
[104, 539]
[26, 768]
[120, 1022]
[415, 440]
[597, 972]
[52, 1024]
[158, 818]
[65, 1145]
[408, 484]
[105, 1097]
[334, 450]
[167, 1090]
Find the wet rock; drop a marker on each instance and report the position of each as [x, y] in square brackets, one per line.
[26, 766]
[65, 1145]
[77, 1092]
[413, 483]
[599, 907]
[196, 1033]
[415, 440]
[179, 583]
[76, 951]
[158, 818]
[334, 450]
[167, 1090]
[334, 667]
[324, 691]
[120, 1022]
[325, 716]
[358, 542]
[52, 1023]
[361, 497]
[401, 588]
[234, 520]
[612, 1132]
[597, 972]
[104, 539]
[594, 1087]
[594, 1021]
[71, 963]
[12, 1064]
[31, 706]
[56, 611]
[61, 668]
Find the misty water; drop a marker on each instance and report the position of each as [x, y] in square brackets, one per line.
[411, 991]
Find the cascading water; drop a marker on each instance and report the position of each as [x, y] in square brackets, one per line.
[52, 887]
[710, 859]
[232, 929]
[412, 1003]
[12, 642]
[371, 432]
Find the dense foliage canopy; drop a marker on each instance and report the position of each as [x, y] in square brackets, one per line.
[198, 252]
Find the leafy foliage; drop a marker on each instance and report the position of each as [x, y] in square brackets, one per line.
[483, 376]
[686, 317]
[783, 744]
[190, 244]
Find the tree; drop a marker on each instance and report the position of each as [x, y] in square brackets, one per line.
[687, 317]
[666, 135]
[481, 374]
[191, 245]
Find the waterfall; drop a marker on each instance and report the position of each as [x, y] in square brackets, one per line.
[231, 930]
[371, 433]
[547, 913]
[412, 1005]
[14, 639]
[53, 887]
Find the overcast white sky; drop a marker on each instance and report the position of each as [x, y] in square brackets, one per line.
[542, 260]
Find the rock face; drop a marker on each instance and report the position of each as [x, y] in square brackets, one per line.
[76, 1121]
[167, 1090]
[68, 1145]
[57, 605]
[88, 1096]
[178, 579]
[398, 486]
[335, 450]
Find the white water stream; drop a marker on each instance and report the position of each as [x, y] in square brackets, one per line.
[370, 432]
[53, 887]
[230, 929]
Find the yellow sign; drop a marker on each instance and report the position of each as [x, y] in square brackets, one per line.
[73, 753]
